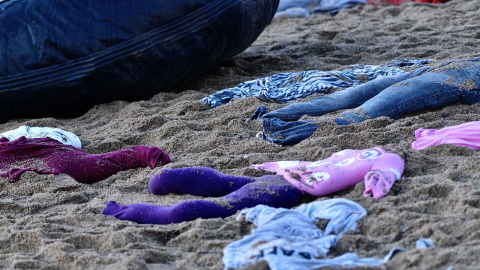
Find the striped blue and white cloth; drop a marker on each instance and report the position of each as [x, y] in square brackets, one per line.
[287, 87]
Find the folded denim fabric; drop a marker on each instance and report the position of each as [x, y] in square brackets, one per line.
[287, 133]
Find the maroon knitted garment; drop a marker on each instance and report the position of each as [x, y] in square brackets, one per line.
[45, 155]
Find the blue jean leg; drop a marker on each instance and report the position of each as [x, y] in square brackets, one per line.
[457, 82]
[344, 99]
[287, 133]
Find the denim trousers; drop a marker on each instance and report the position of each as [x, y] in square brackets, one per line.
[339, 100]
[287, 133]
[455, 82]
[281, 132]
[394, 96]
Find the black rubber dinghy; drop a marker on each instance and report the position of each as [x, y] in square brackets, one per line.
[61, 57]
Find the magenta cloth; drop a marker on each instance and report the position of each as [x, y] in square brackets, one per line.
[467, 135]
[343, 169]
[48, 156]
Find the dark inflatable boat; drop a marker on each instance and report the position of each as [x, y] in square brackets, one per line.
[61, 57]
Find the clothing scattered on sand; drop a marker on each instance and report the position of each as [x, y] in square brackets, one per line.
[467, 135]
[399, 2]
[228, 194]
[49, 156]
[287, 87]
[43, 132]
[289, 239]
[378, 168]
[303, 8]
[393, 96]
[412, 62]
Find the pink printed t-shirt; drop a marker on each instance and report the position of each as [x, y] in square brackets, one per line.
[343, 169]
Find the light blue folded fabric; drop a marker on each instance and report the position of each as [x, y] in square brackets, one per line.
[289, 239]
[285, 7]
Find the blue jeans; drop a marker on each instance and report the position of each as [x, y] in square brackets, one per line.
[283, 133]
[345, 99]
[287, 133]
[395, 96]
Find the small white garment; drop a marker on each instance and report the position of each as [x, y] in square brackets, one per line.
[289, 238]
[43, 132]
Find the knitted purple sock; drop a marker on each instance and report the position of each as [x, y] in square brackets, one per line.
[200, 181]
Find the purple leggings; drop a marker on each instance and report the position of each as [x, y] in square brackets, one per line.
[232, 193]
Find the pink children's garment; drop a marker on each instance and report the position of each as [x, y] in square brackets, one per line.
[467, 135]
[375, 166]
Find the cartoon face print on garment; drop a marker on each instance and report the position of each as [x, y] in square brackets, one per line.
[318, 176]
[370, 154]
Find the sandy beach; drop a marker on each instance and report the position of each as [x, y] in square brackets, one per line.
[53, 222]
